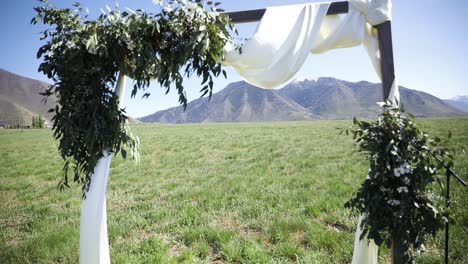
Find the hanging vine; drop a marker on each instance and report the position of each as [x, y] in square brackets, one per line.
[83, 58]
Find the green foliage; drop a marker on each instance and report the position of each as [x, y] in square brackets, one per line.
[83, 57]
[37, 121]
[396, 198]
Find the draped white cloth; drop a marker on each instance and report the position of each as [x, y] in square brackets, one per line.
[94, 244]
[284, 38]
[286, 35]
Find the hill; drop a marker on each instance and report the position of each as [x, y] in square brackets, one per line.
[238, 102]
[325, 98]
[460, 102]
[20, 99]
[338, 99]
[12, 113]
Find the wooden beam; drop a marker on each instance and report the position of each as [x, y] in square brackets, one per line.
[257, 14]
[384, 35]
[337, 8]
[386, 57]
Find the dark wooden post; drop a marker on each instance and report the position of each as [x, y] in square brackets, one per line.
[255, 15]
[386, 57]
[398, 253]
[447, 206]
[388, 77]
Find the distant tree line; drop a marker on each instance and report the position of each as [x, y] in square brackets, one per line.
[14, 125]
[37, 122]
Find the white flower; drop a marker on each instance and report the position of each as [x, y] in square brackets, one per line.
[423, 248]
[406, 168]
[191, 6]
[394, 202]
[402, 189]
[403, 169]
[70, 45]
[169, 8]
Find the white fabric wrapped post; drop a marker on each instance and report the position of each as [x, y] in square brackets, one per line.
[94, 244]
[365, 251]
[284, 37]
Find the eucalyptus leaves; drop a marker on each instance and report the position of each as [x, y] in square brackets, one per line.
[395, 199]
[83, 57]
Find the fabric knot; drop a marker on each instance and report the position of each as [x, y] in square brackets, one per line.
[375, 11]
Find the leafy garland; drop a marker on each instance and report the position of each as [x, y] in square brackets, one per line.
[83, 57]
[395, 198]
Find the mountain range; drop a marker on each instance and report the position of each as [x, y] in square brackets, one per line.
[238, 102]
[460, 102]
[325, 98]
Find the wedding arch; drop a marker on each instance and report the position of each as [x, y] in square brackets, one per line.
[358, 14]
[277, 50]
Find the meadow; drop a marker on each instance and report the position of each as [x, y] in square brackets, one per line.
[210, 193]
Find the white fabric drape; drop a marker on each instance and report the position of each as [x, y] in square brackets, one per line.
[285, 36]
[283, 39]
[94, 244]
[365, 251]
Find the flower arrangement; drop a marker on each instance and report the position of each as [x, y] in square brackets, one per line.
[396, 200]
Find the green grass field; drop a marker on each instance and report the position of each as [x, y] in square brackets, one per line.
[209, 193]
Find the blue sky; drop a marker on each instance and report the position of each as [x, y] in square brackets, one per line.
[430, 45]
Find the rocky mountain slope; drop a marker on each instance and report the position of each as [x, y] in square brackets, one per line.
[460, 102]
[325, 98]
[337, 99]
[238, 102]
[20, 99]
